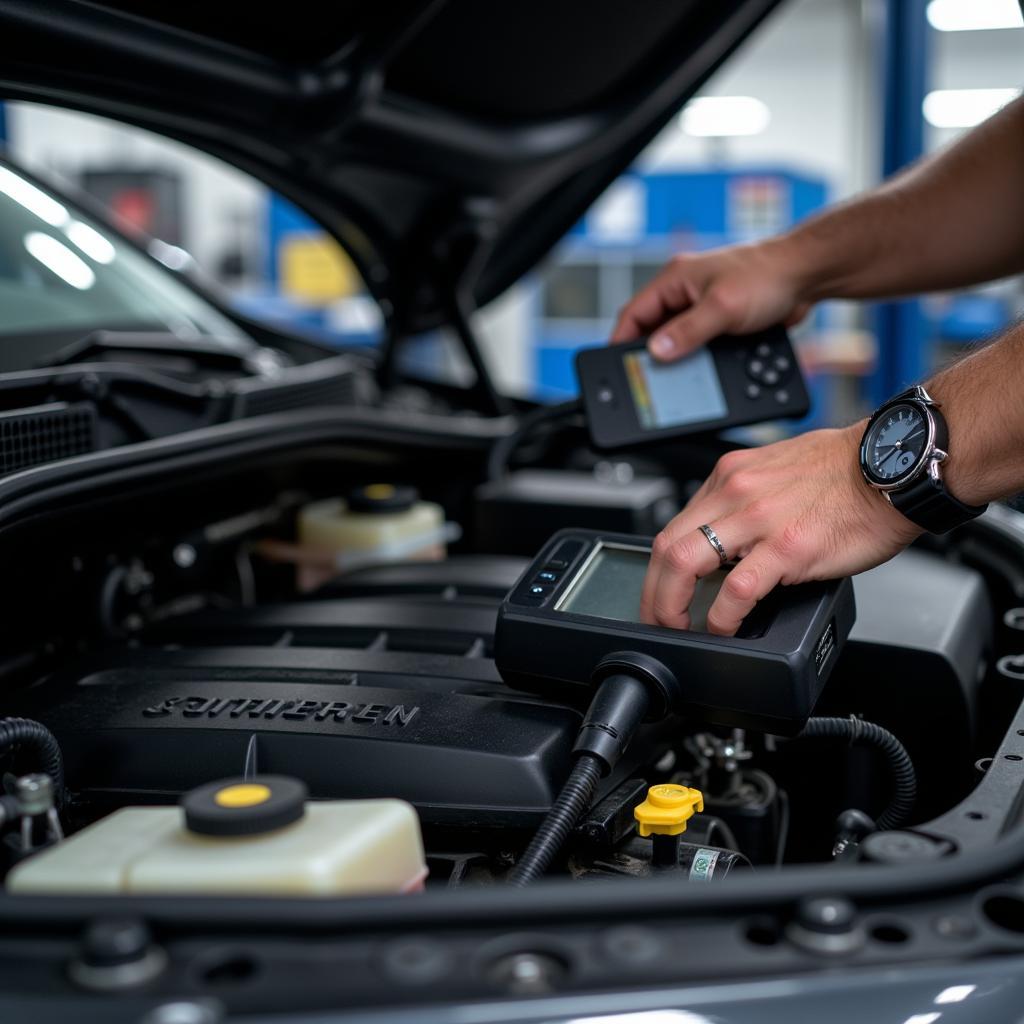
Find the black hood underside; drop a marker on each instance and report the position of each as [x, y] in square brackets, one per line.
[447, 144]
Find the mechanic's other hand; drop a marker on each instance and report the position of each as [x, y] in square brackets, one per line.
[696, 297]
[790, 512]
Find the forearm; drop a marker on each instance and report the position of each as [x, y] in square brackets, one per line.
[950, 221]
[982, 399]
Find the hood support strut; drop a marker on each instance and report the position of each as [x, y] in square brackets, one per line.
[459, 308]
[457, 252]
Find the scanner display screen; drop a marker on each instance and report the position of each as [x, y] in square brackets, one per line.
[611, 582]
[674, 394]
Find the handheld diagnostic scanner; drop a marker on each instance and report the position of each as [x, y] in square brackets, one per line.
[571, 629]
[631, 399]
[573, 619]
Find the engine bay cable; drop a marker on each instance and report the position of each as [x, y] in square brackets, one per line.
[24, 732]
[620, 704]
[503, 449]
[572, 802]
[904, 778]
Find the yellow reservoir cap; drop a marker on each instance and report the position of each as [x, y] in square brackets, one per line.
[379, 492]
[244, 807]
[667, 809]
[245, 795]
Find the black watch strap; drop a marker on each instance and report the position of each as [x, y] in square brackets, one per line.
[928, 503]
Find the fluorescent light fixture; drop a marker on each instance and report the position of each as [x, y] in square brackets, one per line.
[923, 1018]
[171, 256]
[91, 242]
[57, 257]
[954, 994]
[714, 116]
[964, 108]
[972, 15]
[667, 1016]
[33, 199]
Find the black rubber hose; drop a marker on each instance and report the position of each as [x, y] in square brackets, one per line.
[23, 732]
[901, 767]
[572, 802]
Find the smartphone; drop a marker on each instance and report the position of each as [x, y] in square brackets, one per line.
[630, 398]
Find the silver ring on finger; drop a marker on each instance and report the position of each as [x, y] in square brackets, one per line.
[713, 540]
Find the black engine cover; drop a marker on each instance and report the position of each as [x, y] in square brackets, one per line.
[380, 686]
[146, 727]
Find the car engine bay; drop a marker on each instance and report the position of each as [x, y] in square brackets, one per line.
[169, 633]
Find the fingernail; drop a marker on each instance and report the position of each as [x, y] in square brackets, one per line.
[661, 345]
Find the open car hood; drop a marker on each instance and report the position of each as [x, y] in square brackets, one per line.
[448, 145]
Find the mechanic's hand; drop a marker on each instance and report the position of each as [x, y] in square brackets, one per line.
[790, 512]
[699, 296]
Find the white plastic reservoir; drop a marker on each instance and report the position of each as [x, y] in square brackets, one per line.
[333, 848]
[372, 525]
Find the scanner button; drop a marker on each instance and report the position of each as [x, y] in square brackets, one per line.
[770, 377]
[556, 564]
[537, 590]
[753, 391]
[547, 576]
[782, 396]
[755, 368]
[782, 364]
[764, 350]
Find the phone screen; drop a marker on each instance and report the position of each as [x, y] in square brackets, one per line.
[610, 585]
[673, 394]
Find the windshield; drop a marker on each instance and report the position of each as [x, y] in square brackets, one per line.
[63, 275]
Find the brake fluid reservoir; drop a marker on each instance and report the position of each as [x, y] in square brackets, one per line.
[372, 524]
[253, 837]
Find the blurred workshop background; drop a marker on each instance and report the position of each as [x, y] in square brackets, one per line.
[830, 97]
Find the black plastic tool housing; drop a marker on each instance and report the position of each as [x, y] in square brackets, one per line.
[767, 678]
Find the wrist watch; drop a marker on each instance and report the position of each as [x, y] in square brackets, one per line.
[904, 444]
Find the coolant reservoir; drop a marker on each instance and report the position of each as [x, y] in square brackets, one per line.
[372, 524]
[252, 837]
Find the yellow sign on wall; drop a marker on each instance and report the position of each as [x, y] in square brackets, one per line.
[315, 269]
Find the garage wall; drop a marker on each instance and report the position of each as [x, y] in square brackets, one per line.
[811, 65]
[974, 60]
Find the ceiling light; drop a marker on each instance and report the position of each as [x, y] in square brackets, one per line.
[33, 199]
[57, 257]
[964, 108]
[955, 994]
[171, 256]
[667, 1016]
[969, 16]
[91, 242]
[725, 115]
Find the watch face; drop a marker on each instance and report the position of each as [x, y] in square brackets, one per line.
[895, 443]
